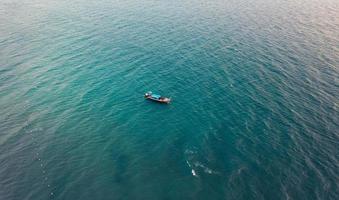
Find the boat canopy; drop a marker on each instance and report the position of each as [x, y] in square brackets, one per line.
[156, 96]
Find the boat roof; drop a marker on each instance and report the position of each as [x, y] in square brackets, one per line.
[156, 96]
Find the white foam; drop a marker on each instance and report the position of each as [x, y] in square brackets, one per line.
[205, 168]
[193, 173]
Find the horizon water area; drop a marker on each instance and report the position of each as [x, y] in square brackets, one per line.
[254, 87]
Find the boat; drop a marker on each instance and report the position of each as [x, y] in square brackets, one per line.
[157, 97]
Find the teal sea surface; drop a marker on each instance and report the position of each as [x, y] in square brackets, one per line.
[254, 87]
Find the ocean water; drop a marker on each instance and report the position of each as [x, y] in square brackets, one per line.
[254, 84]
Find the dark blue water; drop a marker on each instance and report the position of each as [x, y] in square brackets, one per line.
[254, 87]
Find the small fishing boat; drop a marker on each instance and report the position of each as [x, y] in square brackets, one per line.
[157, 98]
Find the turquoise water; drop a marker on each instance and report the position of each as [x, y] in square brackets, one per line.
[254, 87]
